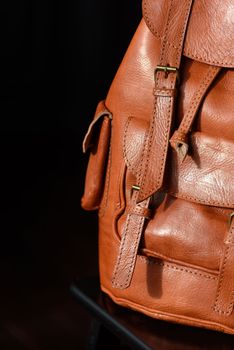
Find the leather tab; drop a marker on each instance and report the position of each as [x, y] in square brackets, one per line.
[129, 246]
[225, 291]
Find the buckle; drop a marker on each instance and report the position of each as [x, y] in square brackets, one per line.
[167, 70]
[135, 188]
[230, 218]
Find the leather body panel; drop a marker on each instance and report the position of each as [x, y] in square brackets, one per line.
[184, 236]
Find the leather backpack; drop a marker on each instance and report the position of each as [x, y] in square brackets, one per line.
[161, 167]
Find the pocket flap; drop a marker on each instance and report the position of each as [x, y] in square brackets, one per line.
[100, 113]
[98, 140]
[210, 32]
[206, 175]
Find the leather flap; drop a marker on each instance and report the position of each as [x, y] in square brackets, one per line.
[210, 32]
[97, 139]
[100, 113]
[206, 175]
[203, 177]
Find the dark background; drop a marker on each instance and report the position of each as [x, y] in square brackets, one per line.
[58, 59]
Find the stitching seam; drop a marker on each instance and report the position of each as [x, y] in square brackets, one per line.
[186, 52]
[174, 267]
[134, 251]
[189, 53]
[194, 199]
[155, 116]
[121, 252]
[152, 26]
[169, 106]
[217, 306]
[125, 143]
[196, 99]
[107, 184]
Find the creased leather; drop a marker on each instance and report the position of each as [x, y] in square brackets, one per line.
[210, 33]
[196, 168]
[210, 165]
[179, 226]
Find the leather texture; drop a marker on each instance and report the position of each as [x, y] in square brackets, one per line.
[210, 33]
[163, 183]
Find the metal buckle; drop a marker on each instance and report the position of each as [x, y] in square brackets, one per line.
[135, 188]
[230, 218]
[167, 70]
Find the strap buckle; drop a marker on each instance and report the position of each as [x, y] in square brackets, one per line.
[135, 188]
[230, 218]
[167, 70]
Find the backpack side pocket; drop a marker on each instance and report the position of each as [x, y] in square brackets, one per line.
[97, 140]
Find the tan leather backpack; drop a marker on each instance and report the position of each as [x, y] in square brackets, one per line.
[161, 168]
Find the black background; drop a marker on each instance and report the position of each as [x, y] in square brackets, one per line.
[58, 59]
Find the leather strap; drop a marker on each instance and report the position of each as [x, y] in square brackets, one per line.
[129, 246]
[153, 162]
[225, 291]
[179, 140]
[156, 146]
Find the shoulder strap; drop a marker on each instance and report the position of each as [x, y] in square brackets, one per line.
[150, 178]
[166, 76]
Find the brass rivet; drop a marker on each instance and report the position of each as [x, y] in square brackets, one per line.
[230, 217]
[136, 187]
